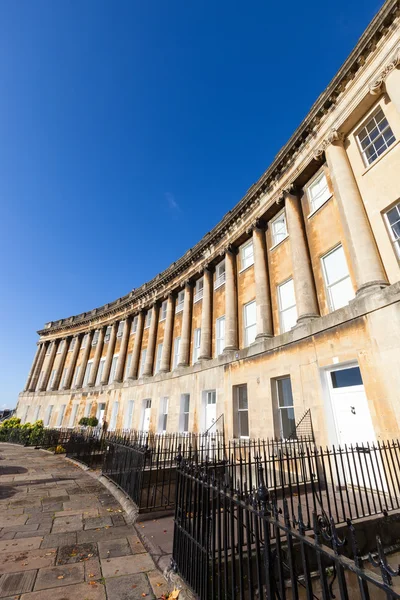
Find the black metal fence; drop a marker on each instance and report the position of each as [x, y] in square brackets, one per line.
[235, 543]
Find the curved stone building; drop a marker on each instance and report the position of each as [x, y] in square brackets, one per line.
[291, 303]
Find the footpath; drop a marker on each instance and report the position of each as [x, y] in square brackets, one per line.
[63, 536]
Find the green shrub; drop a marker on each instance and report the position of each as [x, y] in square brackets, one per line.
[89, 422]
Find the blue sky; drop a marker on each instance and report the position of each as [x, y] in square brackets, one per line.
[129, 128]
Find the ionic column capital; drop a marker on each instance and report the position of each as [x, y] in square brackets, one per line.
[333, 137]
[375, 87]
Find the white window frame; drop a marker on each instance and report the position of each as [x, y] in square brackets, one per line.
[107, 334]
[72, 344]
[163, 310]
[48, 349]
[177, 348]
[241, 410]
[113, 368]
[149, 315]
[134, 324]
[60, 346]
[88, 370]
[61, 414]
[284, 310]
[114, 416]
[163, 415]
[37, 413]
[316, 205]
[72, 417]
[95, 337]
[121, 327]
[220, 274]
[184, 419]
[128, 365]
[395, 240]
[329, 286]
[26, 411]
[219, 341]
[158, 357]
[49, 413]
[51, 379]
[246, 262]
[283, 236]
[199, 289]
[142, 361]
[63, 378]
[250, 330]
[88, 409]
[84, 341]
[129, 414]
[180, 301]
[196, 344]
[366, 122]
[282, 408]
[76, 374]
[100, 370]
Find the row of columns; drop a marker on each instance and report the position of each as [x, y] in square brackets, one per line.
[368, 271]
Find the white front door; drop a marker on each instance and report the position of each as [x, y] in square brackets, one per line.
[210, 411]
[146, 415]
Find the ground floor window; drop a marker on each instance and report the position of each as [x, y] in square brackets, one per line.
[114, 415]
[49, 412]
[37, 413]
[163, 418]
[61, 413]
[240, 412]
[72, 418]
[287, 423]
[128, 415]
[184, 419]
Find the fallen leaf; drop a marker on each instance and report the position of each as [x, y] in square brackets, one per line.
[92, 583]
[60, 577]
[174, 593]
[91, 574]
[144, 595]
[158, 584]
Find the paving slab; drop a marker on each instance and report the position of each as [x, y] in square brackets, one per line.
[27, 561]
[58, 539]
[76, 553]
[92, 569]
[97, 522]
[17, 583]
[51, 577]
[126, 565]
[66, 524]
[130, 587]
[93, 535]
[24, 544]
[82, 591]
[113, 548]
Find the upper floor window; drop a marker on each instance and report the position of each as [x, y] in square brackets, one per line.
[287, 306]
[87, 373]
[113, 368]
[337, 278]
[375, 137]
[84, 341]
[100, 371]
[220, 335]
[318, 191]
[247, 255]
[196, 344]
[198, 292]
[48, 350]
[163, 311]
[60, 346]
[148, 318]
[142, 362]
[96, 337]
[121, 326]
[134, 324]
[158, 358]
[72, 344]
[108, 334]
[393, 222]
[128, 365]
[219, 274]
[250, 323]
[177, 347]
[180, 301]
[279, 228]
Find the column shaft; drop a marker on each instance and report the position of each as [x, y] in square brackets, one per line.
[303, 280]
[72, 364]
[184, 349]
[49, 366]
[367, 266]
[231, 320]
[263, 294]
[119, 373]
[167, 342]
[133, 371]
[61, 363]
[148, 365]
[110, 353]
[38, 367]
[33, 367]
[206, 316]
[97, 356]
[85, 358]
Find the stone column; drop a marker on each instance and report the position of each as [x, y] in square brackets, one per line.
[74, 358]
[119, 372]
[303, 279]
[206, 316]
[33, 367]
[165, 364]
[184, 349]
[148, 365]
[390, 76]
[97, 356]
[49, 366]
[367, 266]
[38, 367]
[110, 353]
[231, 319]
[85, 358]
[61, 363]
[265, 327]
[137, 346]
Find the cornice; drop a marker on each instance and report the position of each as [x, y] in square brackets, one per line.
[210, 245]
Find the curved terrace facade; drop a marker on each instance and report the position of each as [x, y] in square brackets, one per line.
[291, 303]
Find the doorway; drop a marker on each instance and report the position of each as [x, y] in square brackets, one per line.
[146, 415]
[210, 410]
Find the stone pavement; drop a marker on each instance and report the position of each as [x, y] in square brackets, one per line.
[63, 536]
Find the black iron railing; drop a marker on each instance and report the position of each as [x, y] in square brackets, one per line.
[237, 543]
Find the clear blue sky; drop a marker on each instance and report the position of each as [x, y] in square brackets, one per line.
[129, 128]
